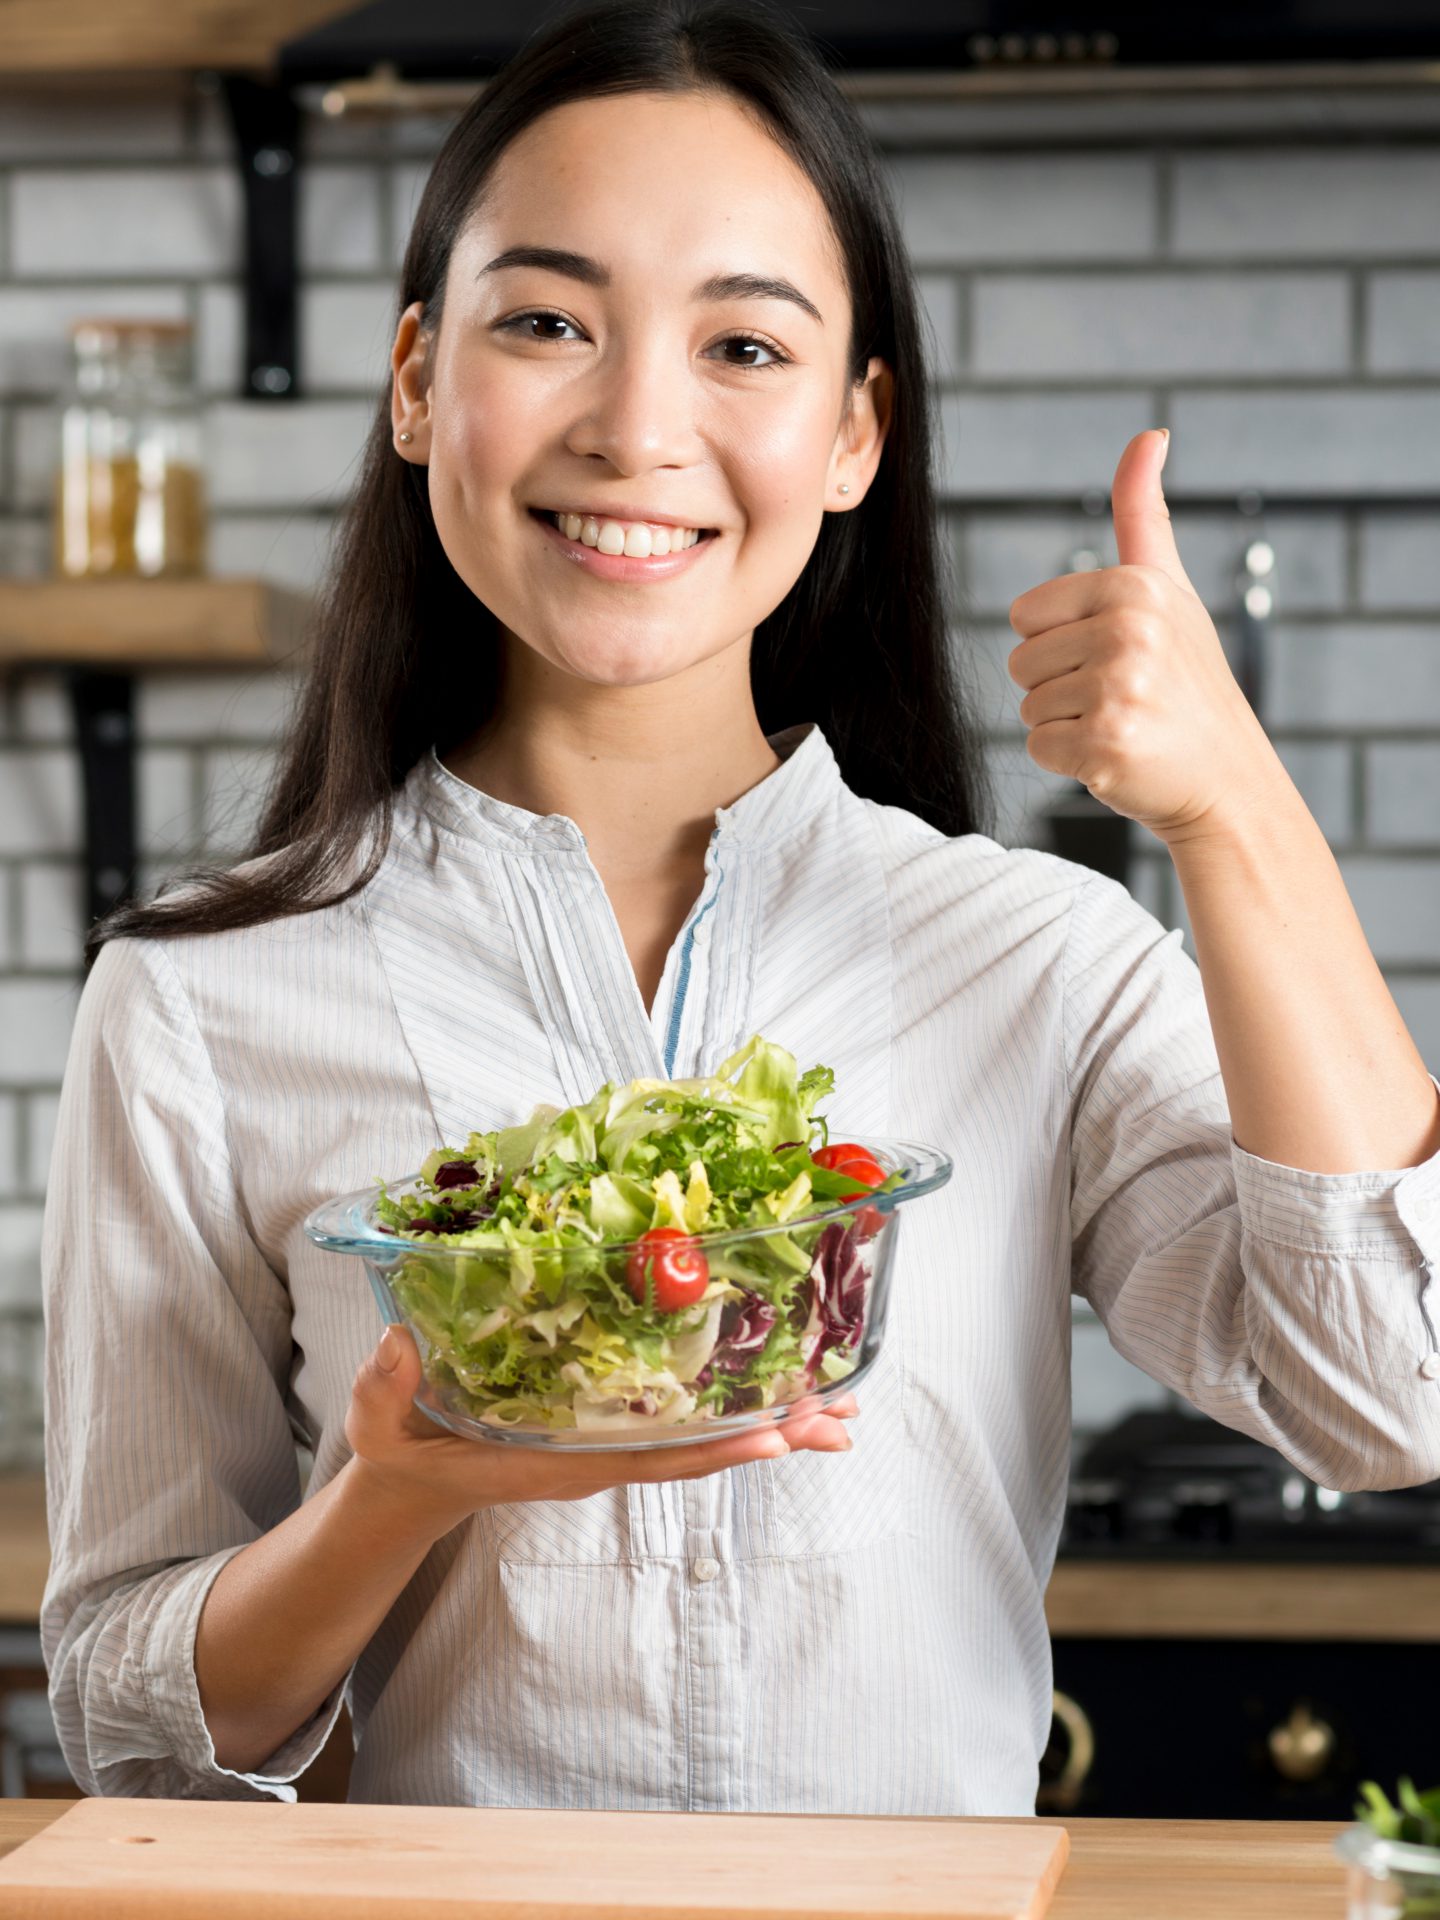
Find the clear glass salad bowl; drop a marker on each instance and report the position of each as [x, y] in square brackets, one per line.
[790, 1313]
[1388, 1879]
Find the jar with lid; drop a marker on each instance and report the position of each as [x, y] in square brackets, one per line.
[129, 494]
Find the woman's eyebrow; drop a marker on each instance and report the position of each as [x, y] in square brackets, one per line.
[720, 286]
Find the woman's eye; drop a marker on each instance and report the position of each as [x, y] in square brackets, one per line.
[749, 340]
[523, 323]
[517, 321]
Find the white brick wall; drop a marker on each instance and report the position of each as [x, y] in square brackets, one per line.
[1347, 204]
[1176, 325]
[1278, 307]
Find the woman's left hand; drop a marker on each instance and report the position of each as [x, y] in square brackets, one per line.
[1129, 690]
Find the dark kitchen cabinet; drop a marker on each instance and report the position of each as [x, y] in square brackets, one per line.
[1255, 1730]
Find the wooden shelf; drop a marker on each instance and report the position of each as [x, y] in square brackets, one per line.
[105, 36]
[124, 624]
[1242, 1600]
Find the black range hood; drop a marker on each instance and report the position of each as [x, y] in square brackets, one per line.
[453, 39]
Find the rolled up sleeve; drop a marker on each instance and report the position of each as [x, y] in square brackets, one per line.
[1294, 1306]
[168, 1443]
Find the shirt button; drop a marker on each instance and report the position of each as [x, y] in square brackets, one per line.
[1430, 1367]
[1422, 1207]
[707, 1569]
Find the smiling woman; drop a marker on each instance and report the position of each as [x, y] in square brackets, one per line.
[635, 639]
[685, 383]
[655, 281]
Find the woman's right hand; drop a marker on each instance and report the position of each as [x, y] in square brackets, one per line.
[433, 1480]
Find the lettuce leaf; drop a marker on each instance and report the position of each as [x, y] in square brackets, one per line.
[537, 1324]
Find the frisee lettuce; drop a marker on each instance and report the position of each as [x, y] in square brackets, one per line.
[527, 1314]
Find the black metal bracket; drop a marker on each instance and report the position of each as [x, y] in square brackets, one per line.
[266, 120]
[103, 707]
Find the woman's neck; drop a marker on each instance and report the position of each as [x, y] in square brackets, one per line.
[640, 770]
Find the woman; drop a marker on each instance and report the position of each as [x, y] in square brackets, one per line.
[549, 815]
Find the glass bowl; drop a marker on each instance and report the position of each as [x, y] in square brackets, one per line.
[824, 1275]
[1388, 1879]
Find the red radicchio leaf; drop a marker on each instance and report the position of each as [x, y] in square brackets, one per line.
[457, 1223]
[838, 1279]
[744, 1328]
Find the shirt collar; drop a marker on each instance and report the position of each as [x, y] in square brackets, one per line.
[774, 807]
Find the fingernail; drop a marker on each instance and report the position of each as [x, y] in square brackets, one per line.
[1165, 449]
[387, 1354]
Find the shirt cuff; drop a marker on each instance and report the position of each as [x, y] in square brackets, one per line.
[1390, 1212]
[172, 1693]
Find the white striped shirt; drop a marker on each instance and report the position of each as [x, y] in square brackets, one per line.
[825, 1633]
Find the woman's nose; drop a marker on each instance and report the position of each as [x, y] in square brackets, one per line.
[638, 411]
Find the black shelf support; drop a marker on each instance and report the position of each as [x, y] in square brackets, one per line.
[266, 122]
[103, 706]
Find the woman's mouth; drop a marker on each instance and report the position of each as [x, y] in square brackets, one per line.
[623, 549]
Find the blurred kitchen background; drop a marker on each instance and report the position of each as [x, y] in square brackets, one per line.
[1230, 228]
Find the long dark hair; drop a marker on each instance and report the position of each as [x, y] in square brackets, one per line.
[399, 661]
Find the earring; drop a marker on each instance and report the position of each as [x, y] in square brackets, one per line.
[844, 489]
[407, 436]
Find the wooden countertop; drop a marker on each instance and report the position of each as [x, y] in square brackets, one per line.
[1107, 1599]
[1118, 1869]
[1242, 1600]
[24, 1548]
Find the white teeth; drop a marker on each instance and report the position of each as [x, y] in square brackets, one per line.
[615, 536]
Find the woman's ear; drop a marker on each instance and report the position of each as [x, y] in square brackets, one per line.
[410, 389]
[862, 433]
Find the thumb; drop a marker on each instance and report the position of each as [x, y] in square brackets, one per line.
[1143, 534]
[392, 1371]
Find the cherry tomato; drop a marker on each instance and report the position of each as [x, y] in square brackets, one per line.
[671, 1260]
[844, 1156]
[856, 1163]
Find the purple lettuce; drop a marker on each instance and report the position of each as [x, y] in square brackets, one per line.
[838, 1280]
[453, 1223]
[456, 1173]
[745, 1326]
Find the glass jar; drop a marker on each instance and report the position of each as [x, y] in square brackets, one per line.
[129, 495]
[1388, 1879]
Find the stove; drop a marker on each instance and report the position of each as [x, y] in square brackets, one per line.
[1178, 1486]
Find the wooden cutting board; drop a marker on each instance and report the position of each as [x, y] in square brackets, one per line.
[232, 1860]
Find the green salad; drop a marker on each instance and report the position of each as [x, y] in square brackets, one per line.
[1414, 1822]
[579, 1286]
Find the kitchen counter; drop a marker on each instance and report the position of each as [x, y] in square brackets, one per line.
[24, 1547]
[1225, 1599]
[1118, 1869]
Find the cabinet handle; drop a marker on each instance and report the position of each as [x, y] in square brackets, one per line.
[1063, 1794]
[1301, 1748]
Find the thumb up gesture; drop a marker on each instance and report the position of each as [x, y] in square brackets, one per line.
[1127, 686]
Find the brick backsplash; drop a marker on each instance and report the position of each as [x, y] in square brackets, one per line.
[1277, 307]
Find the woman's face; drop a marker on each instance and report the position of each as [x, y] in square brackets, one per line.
[626, 383]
